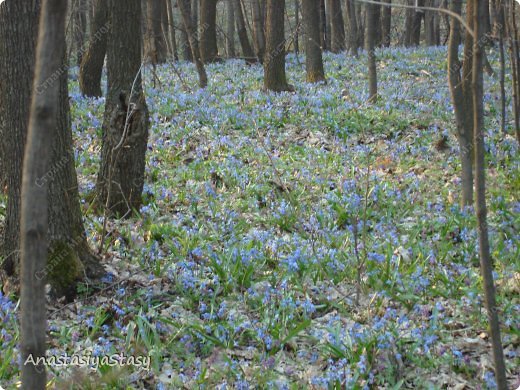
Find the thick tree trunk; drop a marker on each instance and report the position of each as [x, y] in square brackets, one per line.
[337, 26]
[372, 20]
[486, 266]
[125, 125]
[184, 7]
[230, 29]
[313, 54]
[386, 25]
[155, 44]
[258, 29]
[91, 67]
[34, 201]
[208, 31]
[247, 50]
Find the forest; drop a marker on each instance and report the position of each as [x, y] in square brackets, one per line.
[260, 194]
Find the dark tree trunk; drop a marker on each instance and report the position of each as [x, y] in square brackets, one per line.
[313, 54]
[377, 27]
[486, 266]
[34, 200]
[354, 30]
[258, 29]
[337, 26]
[432, 24]
[386, 25]
[80, 28]
[328, 25]
[296, 39]
[184, 7]
[413, 21]
[91, 67]
[230, 31]
[208, 31]
[171, 29]
[155, 44]
[274, 60]
[125, 124]
[459, 98]
[323, 26]
[514, 53]
[372, 20]
[185, 44]
[195, 11]
[247, 50]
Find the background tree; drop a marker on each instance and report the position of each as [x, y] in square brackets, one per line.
[80, 27]
[155, 43]
[125, 123]
[274, 60]
[230, 29]
[337, 26]
[354, 27]
[313, 54]
[91, 67]
[247, 50]
[386, 25]
[184, 7]
[34, 221]
[208, 31]
[372, 20]
[480, 27]
[171, 30]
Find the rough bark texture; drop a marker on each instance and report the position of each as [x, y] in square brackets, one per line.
[372, 20]
[34, 201]
[184, 7]
[247, 50]
[125, 124]
[386, 25]
[208, 31]
[92, 61]
[486, 266]
[274, 60]
[337, 26]
[230, 29]
[313, 54]
[155, 44]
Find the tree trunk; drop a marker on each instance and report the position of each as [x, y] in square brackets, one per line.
[184, 7]
[155, 44]
[247, 50]
[372, 20]
[386, 25]
[296, 39]
[185, 44]
[514, 52]
[91, 67]
[208, 31]
[313, 54]
[274, 60]
[323, 26]
[413, 24]
[171, 28]
[125, 124]
[486, 267]
[337, 27]
[34, 200]
[230, 32]
[432, 24]
[80, 28]
[258, 29]
[354, 33]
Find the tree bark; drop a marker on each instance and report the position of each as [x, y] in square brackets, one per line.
[230, 31]
[194, 42]
[34, 200]
[258, 29]
[208, 31]
[125, 124]
[354, 32]
[91, 67]
[432, 24]
[323, 26]
[337, 26]
[370, 41]
[296, 39]
[386, 25]
[313, 54]
[274, 60]
[171, 29]
[155, 44]
[247, 50]
[80, 28]
[486, 267]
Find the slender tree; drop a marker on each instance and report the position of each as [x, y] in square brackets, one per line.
[194, 41]
[296, 38]
[230, 31]
[91, 67]
[155, 43]
[313, 54]
[80, 27]
[354, 30]
[258, 29]
[34, 201]
[486, 266]
[208, 31]
[247, 50]
[337, 26]
[372, 20]
[125, 124]
[274, 60]
[386, 25]
[171, 29]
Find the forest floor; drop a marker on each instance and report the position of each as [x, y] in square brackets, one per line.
[294, 241]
